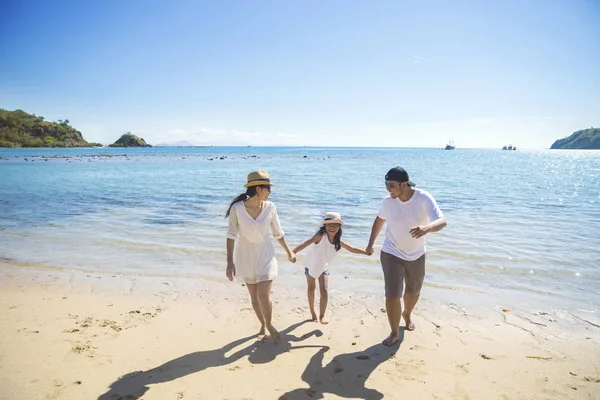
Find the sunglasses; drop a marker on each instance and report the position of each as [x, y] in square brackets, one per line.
[390, 185]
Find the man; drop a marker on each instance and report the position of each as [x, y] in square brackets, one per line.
[410, 214]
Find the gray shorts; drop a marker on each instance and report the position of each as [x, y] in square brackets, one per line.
[397, 272]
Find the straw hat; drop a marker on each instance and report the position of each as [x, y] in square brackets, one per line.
[333, 218]
[259, 177]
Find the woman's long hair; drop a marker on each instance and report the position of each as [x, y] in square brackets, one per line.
[337, 239]
[251, 191]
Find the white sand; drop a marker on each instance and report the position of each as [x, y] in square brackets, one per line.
[92, 336]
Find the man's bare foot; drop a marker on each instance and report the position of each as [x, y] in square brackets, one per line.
[410, 326]
[390, 340]
[323, 320]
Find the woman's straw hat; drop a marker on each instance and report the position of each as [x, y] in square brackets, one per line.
[259, 177]
[333, 218]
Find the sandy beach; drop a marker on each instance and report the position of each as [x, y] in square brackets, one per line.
[74, 335]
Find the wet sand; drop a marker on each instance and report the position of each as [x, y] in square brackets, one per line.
[108, 336]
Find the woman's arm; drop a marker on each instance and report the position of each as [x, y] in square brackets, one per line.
[353, 249]
[230, 271]
[305, 244]
[291, 255]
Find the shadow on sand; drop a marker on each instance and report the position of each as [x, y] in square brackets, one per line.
[345, 375]
[134, 385]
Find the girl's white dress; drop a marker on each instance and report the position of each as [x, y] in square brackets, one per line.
[254, 254]
[319, 257]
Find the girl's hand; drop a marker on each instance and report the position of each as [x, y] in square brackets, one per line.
[230, 272]
[292, 258]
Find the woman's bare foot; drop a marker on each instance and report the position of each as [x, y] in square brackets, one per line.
[323, 320]
[261, 333]
[391, 339]
[274, 335]
[313, 317]
[410, 326]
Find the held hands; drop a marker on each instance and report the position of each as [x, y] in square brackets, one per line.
[230, 272]
[369, 250]
[292, 257]
[418, 232]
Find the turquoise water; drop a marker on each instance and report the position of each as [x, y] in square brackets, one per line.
[523, 224]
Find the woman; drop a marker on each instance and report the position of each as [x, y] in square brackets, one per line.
[253, 220]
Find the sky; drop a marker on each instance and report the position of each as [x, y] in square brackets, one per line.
[307, 73]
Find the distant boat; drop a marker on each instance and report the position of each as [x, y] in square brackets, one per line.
[509, 147]
[450, 145]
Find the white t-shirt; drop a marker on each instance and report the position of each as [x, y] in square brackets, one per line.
[401, 216]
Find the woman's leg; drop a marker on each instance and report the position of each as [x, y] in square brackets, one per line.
[253, 290]
[311, 284]
[324, 291]
[263, 292]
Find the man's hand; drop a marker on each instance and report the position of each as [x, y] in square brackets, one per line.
[230, 272]
[418, 232]
[369, 250]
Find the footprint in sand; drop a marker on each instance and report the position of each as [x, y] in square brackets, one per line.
[487, 357]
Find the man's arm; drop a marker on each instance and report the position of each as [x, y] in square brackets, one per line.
[375, 229]
[420, 231]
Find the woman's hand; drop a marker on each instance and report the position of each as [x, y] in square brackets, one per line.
[230, 272]
[292, 257]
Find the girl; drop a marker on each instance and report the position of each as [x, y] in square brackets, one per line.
[327, 241]
[253, 220]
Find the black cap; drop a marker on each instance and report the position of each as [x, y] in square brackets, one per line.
[399, 175]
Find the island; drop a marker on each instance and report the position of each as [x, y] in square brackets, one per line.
[21, 129]
[585, 139]
[129, 140]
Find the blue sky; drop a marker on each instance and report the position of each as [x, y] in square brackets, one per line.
[307, 73]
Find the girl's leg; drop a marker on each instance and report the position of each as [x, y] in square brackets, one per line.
[312, 284]
[324, 291]
[263, 292]
[252, 289]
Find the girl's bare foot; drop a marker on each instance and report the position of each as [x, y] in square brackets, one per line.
[323, 320]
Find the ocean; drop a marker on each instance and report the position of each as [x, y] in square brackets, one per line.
[521, 224]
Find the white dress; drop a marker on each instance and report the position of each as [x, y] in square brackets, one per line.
[254, 254]
[319, 257]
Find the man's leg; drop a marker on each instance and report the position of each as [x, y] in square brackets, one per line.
[393, 274]
[414, 276]
[394, 310]
[410, 301]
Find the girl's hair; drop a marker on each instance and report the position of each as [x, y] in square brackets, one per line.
[251, 191]
[337, 239]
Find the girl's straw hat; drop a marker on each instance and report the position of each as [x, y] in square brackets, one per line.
[333, 218]
[259, 177]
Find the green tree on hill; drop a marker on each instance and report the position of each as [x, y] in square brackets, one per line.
[21, 129]
[130, 140]
[587, 139]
